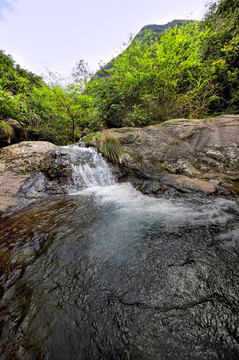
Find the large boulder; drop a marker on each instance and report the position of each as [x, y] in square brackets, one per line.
[190, 147]
[199, 149]
[11, 132]
[16, 163]
[6, 133]
[53, 178]
[24, 157]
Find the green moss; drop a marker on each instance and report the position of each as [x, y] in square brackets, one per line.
[6, 132]
[92, 138]
[167, 168]
[5, 129]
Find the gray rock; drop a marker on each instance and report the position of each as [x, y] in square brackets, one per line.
[12, 132]
[24, 157]
[198, 149]
[184, 184]
[19, 134]
[16, 163]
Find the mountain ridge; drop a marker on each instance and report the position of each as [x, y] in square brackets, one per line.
[156, 31]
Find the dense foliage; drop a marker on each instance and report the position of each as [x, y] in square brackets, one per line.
[221, 51]
[15, 85]
[155, 33]
[47, 111]
[156, 79]
[188, 70]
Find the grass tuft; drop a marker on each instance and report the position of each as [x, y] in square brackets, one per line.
[109, 145]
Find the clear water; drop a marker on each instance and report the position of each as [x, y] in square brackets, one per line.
[108, 273]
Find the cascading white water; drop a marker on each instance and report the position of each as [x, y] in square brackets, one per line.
[89, 169]
[92, 173]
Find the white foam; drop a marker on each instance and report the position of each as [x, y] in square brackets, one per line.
[92, 175]
[90, 170]
[129, 203]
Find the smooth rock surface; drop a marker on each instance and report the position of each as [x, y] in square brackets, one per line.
[195, 149]
[16, 163]
[185, 184]
[189, 147]
[24, 157]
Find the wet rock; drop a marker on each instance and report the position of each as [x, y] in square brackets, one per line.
[9, 185]
[154, 188]
[53, 177]
[59, 167]
[230, 186]
[171, 184]
[184, 184]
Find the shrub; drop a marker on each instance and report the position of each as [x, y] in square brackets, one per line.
[136, 117]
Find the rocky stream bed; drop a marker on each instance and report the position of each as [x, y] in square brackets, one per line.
[91, 268]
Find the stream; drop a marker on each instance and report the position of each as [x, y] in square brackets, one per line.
[109, 273]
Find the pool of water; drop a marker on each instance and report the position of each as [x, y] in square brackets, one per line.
[108, 273]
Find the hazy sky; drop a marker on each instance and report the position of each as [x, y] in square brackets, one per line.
[60, 33]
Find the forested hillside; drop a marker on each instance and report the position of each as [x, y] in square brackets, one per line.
[190, 70]
[155, 34]
[47, 111]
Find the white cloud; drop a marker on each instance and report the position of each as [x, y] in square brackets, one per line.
[61, 33]
[6, 5]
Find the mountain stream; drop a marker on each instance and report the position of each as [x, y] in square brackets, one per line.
[109, 273]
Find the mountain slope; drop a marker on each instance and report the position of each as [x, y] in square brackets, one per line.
[155, 30]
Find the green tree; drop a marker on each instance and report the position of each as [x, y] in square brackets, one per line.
[75, 106]
[220, 49]
[15, 79]
[71, 112]
[151, 80]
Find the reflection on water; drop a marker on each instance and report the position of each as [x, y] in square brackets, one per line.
[109, 273]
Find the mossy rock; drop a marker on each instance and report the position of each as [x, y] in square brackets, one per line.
[6, 133]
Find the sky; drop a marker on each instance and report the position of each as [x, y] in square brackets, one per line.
[57, 34]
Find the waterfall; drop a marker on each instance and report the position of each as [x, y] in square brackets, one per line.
[89, 169]
[78, 168]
